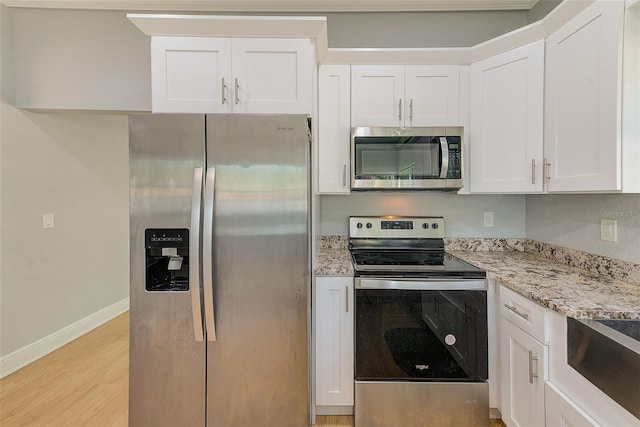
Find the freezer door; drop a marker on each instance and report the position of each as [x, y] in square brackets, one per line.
[257, 367]
[167, 351]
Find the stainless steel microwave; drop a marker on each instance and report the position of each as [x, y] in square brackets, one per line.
[414, 158]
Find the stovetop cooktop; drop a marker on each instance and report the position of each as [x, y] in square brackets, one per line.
[404, 247]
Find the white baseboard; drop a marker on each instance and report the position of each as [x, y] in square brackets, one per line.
[34, 351]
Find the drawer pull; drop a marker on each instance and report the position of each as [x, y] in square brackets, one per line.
[525, 316]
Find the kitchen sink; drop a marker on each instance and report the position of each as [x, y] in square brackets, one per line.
[607, 353]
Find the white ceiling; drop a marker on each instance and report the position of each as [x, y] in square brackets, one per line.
[279, 5]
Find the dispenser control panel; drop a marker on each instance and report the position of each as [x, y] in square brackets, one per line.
[167, 259]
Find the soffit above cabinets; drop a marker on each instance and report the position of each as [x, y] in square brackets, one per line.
[279, 5]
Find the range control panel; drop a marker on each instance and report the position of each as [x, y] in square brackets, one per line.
[425, 227]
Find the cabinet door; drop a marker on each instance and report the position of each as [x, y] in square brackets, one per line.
[432, 95]
[377, 95]
[334, 128]
[582, 105]
[523, 375]
[334, 341]
[506, 125]
[188, 74]
[272, 76]
[562, 412]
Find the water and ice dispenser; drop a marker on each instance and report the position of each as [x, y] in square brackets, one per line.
[167, 259]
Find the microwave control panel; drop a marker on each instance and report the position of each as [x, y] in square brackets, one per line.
[455, 168]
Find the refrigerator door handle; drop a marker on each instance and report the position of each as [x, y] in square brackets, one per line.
[194, 254]
[207, 253]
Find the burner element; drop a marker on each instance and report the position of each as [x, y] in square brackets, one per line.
[399, 258]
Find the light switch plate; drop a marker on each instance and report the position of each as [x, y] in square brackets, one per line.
[609, 230]
[47, 220]
[488, 219]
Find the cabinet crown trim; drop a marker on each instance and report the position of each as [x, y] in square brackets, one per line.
[308, 27]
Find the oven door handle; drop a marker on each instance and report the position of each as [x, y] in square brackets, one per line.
[421, 285]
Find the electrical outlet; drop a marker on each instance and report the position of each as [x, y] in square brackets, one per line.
[609, 230]
[488, 219]
[47, 220]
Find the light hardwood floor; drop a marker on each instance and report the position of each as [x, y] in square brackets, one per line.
[85, 383]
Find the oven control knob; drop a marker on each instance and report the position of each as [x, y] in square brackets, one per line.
[369, 225]
[434, 225]
[359, 225]
[425, 225]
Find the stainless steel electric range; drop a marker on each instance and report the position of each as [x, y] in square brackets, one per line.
[420, 327]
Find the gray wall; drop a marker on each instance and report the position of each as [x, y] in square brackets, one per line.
[419, 30]
[573, 221]
[541, 9]
[74, 165]
[464, 214]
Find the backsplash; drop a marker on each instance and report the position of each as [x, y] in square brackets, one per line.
[484, 244]
[597, 264]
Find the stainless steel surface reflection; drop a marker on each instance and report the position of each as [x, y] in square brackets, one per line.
[238, 186]
[607, 358]
[419, 404]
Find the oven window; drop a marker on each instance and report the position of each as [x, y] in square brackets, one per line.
[409, 335]
[404, 158]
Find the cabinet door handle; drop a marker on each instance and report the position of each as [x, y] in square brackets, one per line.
[346, 292]
[344, 175]
[533, 171]
[400, 111]
[224, 92]
[525, 316]
[531, 360]
[411, 110]
[237, 91]
[547, 170]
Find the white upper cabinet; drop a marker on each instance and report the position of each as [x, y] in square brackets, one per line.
[273, 75]
[405, 96]
[506, 121]
[583, 141]
[190, 74]
[432, 95]
[224, 75]
[334, 129]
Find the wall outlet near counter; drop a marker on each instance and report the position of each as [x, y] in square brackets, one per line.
[609, 230]
[488, 219]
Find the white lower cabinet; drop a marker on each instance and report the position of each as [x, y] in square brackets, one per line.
[333, 313]
[523, 364]
[560, 411]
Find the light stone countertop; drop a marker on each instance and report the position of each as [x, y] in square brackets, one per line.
[333, 262]
[568, 290]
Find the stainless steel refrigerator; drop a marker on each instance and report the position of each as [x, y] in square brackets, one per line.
[219, 270]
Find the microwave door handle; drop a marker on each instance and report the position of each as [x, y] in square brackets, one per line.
[444, 147]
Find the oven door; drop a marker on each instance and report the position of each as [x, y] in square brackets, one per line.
[420, 330]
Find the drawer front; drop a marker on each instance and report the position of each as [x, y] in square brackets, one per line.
[524, 313]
